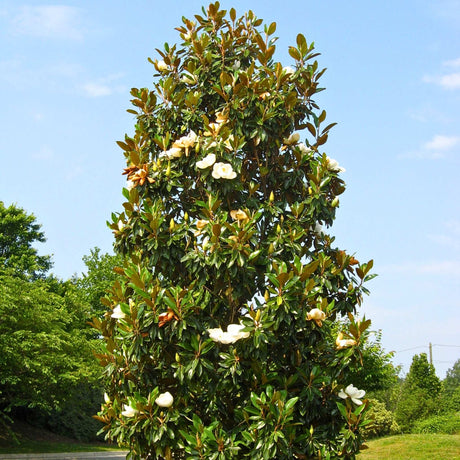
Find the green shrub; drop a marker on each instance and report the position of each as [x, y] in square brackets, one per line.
[450, 402]
[414, 406]
[382, 421]
[75, 418]
[445, 424]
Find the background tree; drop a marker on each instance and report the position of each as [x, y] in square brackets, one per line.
[452, 379]
[18, 232]
[99, 277]
[46, 351]
[420, 393]
[219, 337]
[377, 375]
[48, 371]
[450, 395]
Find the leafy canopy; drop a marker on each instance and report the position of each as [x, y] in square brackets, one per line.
[18, 232]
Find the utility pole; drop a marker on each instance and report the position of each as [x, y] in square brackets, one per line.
[431, 353]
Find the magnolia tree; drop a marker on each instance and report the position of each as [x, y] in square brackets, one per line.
[218, 336]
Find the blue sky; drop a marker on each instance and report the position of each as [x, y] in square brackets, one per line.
[392, 84]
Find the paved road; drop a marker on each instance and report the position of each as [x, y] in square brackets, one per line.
[70, 456]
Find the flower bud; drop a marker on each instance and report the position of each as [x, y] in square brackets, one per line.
[335, 202]
[272, 197]
[168, 170]
[186, 216]
[172, 224]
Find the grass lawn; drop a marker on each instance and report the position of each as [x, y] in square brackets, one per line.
[413, 447]
[402, 447]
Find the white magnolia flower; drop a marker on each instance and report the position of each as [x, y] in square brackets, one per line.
[129, 411]
[121, 225]
[117, 313]
[234, 333]
[206, 162]
[303, 148]
[289, 70]
[200, 224]
[228, 143]
[237, 331]
[216, 334]
[292, 139]
[238, 215]
[236, 65]
[106, 398]
[130, 184]
[188, 78]
[165, 399]
[186, 141]
[317, 316]
[318, 229]
[162, 66]
[223, 171]
[174, 152]
[221, 117]
[333, 165]
[344, 343]
[353, 393]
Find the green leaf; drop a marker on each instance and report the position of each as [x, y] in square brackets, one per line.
[294, 52]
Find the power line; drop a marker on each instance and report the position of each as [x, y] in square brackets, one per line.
[427, 346]
[413, 348]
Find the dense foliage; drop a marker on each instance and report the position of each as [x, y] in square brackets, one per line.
[48, 374]
[377, 375]
[97, 279]
[420, 393]
[448, 423]
[382, 421]
[452, 381]
[18, 231]
[45, 348]
[219, 335]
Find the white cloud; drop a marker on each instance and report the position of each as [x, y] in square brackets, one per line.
[442, 143]
[97, 90]
[449, 81]
[103, 86]
[455, 63]
[48, 21]
[438, 147]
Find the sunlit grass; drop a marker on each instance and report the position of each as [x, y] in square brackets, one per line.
[413, 447]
